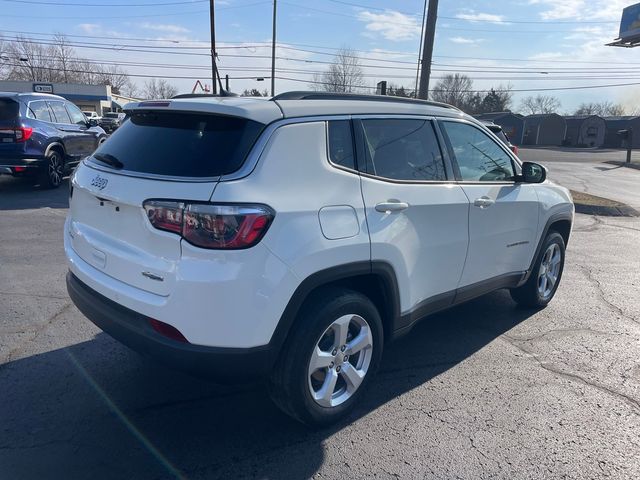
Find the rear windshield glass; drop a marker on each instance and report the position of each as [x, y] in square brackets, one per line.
[181, 145]
[8, 109]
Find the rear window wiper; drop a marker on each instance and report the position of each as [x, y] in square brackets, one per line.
[109, 160]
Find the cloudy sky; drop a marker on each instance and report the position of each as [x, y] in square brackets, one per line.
[530, 44]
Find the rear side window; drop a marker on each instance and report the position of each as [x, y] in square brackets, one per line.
[400, 149]
[40, 111]
[59, 112]
[341, 144]
[180, 145]
[8, 109]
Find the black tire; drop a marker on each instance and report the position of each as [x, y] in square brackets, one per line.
[53, 171]
[529, 295]
[290, 384]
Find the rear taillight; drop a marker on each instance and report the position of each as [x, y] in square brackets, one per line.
[210, 226]
[23, 134]
[514, 149]
[165, 215]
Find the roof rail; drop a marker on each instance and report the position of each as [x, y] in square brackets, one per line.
[302, 95]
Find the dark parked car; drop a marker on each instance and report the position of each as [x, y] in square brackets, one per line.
[44, 136]
[498, 132]
[110, 121]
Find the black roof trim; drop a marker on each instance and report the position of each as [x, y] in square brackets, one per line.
[222, 94]
[302, 95]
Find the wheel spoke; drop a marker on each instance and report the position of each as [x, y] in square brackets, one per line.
[341, 327]
[319, 359]
[551, 279]
[351, 376]
[323, 396]
[363, 340]
[543, 286]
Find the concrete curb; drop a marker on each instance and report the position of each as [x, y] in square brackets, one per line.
[618, 211]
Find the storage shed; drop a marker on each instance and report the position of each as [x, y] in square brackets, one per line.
[585, 131]
[545, 129]
[512, 124]
[614, 124]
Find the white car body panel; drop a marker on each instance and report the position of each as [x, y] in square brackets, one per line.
[325, 217]
[427, 243]
[503, 235]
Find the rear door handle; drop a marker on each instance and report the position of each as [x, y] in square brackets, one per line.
[391, 207]
[483, 202]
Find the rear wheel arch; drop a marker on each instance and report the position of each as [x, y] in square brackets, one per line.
[58, 147]
[375, 280]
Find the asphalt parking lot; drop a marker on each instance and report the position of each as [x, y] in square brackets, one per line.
[485, 390]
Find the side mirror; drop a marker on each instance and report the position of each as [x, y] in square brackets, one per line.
[533, 173]
[92, 122]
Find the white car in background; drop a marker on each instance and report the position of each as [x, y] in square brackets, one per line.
[292, 238]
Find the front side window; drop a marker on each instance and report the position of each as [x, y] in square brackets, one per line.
[40, 111]
[402, 149]
[60, 113]
[341, 143]
[76, 115]
[478, 157]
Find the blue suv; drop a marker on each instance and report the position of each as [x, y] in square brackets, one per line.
[44, 136]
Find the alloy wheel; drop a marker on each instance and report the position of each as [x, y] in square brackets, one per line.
[55, 169]
[340, 360]
[549, 270]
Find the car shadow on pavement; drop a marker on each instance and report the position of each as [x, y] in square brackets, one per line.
[98, 410]
[23, 193]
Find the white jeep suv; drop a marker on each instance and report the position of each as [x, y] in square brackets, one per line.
[292, 238]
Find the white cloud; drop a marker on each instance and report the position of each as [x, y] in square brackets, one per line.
[466, 41]
[588, 10]
[393, 25]
[89, 28]
[481, 17]
[163, 27]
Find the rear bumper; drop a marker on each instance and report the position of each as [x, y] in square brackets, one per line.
[229, 365]
[31, 164]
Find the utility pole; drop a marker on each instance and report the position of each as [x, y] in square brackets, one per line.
[273, 51]
[214, 69]
[427, 49]
[424, 17]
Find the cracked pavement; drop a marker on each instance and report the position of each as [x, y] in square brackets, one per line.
[485, 390]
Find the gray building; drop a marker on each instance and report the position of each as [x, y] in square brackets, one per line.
[545, 129]
[512, 124]
[615, 124]
[93, 98]
[585, 131]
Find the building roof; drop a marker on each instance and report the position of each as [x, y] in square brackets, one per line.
[496, 115]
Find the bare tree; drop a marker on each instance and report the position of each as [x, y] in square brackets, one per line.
[31, 61]
[254, 92]
[540, 104]
[457, 90]
[604, 109]
[158, 88]
[344, 75]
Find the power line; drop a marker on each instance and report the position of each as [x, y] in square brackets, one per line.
[103, 17]
[67, 4]
[586, 87]
[502, 20]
